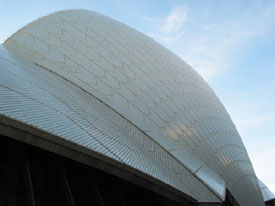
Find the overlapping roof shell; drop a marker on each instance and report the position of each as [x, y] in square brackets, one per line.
[110, 89]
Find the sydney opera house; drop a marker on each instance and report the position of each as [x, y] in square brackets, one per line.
[93, 112]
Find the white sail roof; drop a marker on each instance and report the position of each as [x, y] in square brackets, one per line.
[151, 88]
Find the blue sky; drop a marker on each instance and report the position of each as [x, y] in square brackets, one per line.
[230, 43]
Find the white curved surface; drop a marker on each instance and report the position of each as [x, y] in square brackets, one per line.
[33, 96]
[267, 194]
[149, 86]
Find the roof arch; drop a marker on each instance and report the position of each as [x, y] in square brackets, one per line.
[144, 82]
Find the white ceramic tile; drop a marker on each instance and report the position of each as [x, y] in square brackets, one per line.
[103, 56]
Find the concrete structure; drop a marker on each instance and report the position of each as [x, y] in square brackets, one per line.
[92, 89]
[268, 196]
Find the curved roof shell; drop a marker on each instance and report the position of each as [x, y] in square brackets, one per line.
[150, 88]
[267, 194]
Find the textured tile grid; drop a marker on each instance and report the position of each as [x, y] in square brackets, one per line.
[267, 194]
[144, 82]
[28, 94]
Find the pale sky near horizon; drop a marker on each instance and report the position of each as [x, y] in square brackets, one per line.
[230, 43]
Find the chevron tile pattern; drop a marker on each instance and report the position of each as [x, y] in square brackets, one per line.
[152, 90]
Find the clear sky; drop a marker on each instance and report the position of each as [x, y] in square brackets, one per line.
[230, 43]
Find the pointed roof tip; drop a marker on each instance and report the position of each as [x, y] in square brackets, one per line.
[266, 192]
